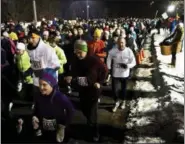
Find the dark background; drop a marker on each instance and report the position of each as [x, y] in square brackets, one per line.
[69, 9]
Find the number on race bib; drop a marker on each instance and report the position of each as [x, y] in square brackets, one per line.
[49, 125]
[37, 64]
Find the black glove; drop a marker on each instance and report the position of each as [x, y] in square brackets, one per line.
[122, 65]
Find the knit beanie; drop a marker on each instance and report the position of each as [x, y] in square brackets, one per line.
[46, 33]
[97, 33]
[5, 34]
[20, 46]
[81, 45]
[50, 76]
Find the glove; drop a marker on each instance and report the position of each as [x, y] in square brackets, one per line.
[82, 81]
[97, 85]
[68, 79]
[60, 133]
[35, 122]
[123, 66]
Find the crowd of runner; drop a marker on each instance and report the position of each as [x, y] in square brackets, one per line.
[41, 61]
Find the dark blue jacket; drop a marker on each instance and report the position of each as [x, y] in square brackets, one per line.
[55, 106]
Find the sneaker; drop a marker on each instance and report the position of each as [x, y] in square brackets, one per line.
[19, 86]
[96, 139]
[99, 100]
[10, 106]
[19, 126]
[116, 106]
[33, 106]
[123, 105]
[38, 132]
[69, 90]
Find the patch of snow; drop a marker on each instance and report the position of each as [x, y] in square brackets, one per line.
[171, 81]
[181, 132]
[144, 86]
[148, 140]
[147, 104]
[166, 104]
[176, 97]
[142, 121]
[144, 72]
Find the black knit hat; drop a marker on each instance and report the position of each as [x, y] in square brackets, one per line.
[33, 31]
[115, 34]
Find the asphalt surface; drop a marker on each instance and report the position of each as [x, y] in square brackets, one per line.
[111, 125]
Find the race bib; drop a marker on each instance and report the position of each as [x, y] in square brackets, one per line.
[82, 81]
[37, 65]
[49, 125]
[118, 66]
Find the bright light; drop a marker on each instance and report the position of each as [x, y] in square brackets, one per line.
[171, 8]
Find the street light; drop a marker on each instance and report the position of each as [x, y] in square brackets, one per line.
[34, 11]
[87, 6]
[171, 8]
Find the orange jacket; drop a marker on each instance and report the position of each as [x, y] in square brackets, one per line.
[97, 48]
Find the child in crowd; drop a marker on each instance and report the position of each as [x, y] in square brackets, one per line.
[53, 110]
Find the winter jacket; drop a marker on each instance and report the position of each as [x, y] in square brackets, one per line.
[90, 67]
[97, 48]
[93, 69]
[62, 58]
[9, 46]
[131, 43]
[56, 107]
[23, 62]
[24, 67]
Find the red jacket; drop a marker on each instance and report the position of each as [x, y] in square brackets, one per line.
[97, 48]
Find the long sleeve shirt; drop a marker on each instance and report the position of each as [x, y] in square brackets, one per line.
[43, 56]
[117, 57]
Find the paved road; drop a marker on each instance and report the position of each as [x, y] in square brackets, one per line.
[112, 125]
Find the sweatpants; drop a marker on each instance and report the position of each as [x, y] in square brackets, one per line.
[119, 86]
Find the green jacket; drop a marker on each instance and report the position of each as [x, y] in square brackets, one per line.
[62, 58]
[23, 64]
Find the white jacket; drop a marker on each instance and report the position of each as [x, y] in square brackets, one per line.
[116, 57]
[43, 57]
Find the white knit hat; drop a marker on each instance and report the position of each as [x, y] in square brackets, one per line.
[5, 34]
[46, 33]
[21, 46]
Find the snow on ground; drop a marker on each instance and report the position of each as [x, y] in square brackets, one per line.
[174, 80]
[156, 116]
[144, 86]
[143, 72]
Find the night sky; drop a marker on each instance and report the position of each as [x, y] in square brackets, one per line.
[69, 9]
